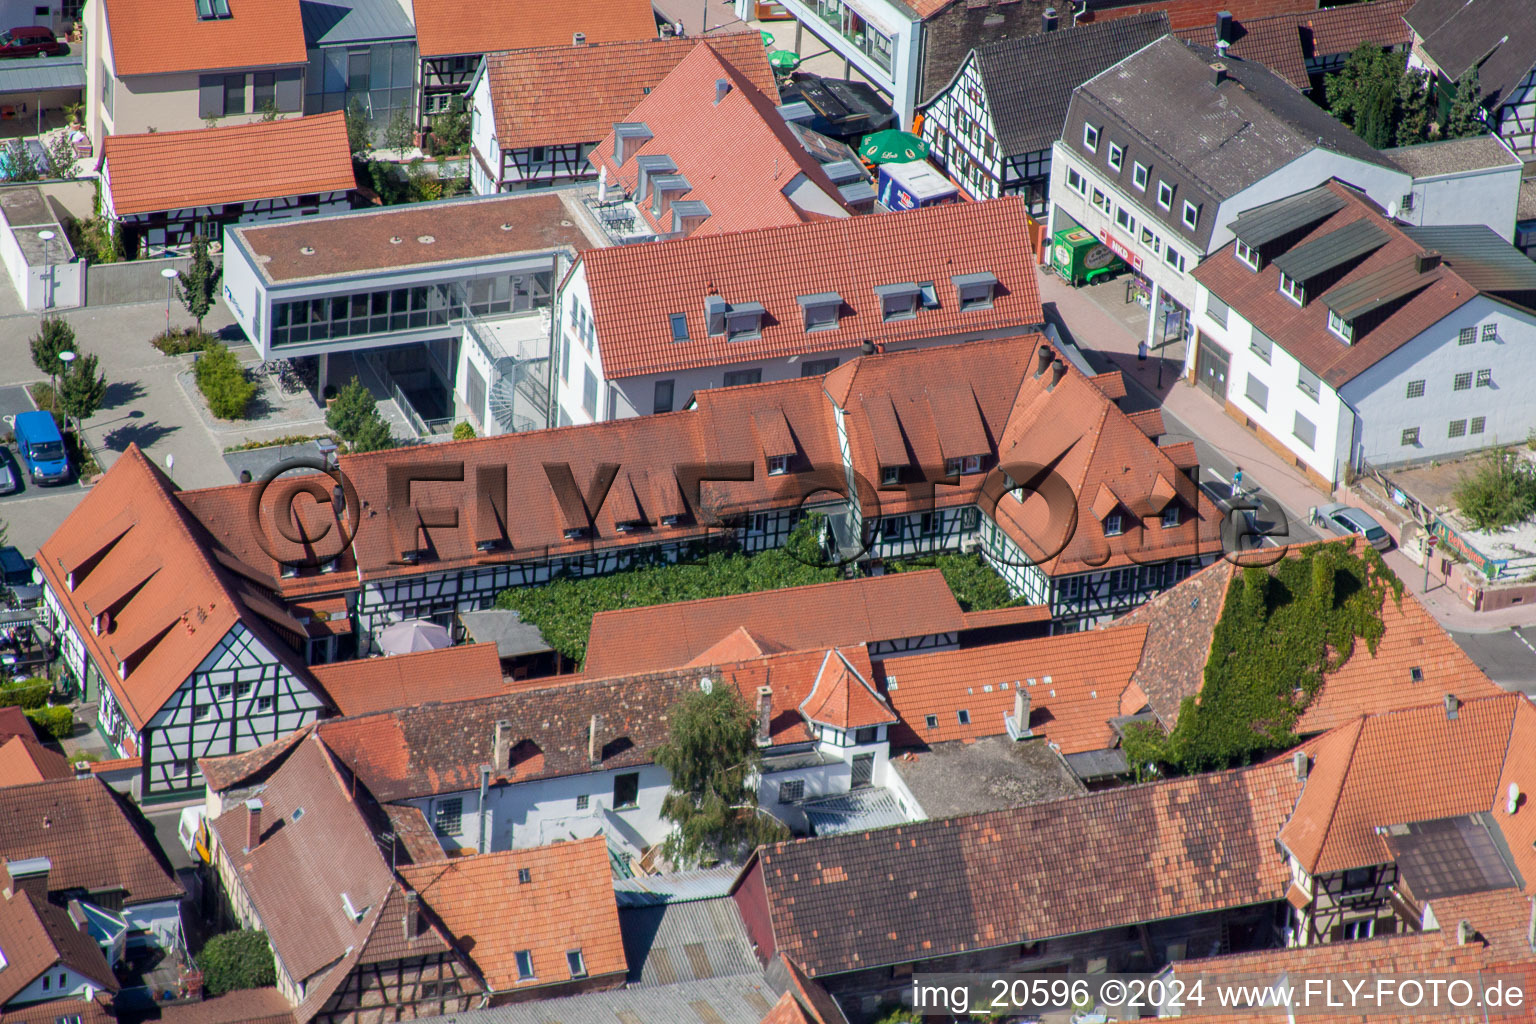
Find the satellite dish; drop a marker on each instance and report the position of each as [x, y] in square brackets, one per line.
[1392, 209]
[707, 685]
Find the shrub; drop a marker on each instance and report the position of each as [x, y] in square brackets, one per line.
[27, 694]
[463, 431]
[182, 340]
[236, 960]
[223, 383]
[355, 416]
[57, 721]
[1500, 491]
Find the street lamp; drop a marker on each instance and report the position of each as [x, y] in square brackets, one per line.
[47, 237]
[67, 358]
[170, 275]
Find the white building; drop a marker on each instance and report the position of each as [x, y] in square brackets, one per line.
[1346, 339]
[1456, 176]
[641, 328]
[1160, 154]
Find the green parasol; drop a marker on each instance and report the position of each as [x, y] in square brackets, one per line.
[892, 147]
[783, 60]
[767, 38]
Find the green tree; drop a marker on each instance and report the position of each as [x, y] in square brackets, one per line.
[712, 756]
[1413, 107]
[54, 335]
[82, 389]
[1499, 492]
[61, 157]
[268, 111]
[222, 380]
[1462, 119]
[463, 431]
[451, 128]
[359, 128]
[373, 435]
[1364, 93]
[400, 132]
[353, 405]
[20, 164]
[236, 960]
[198, 286]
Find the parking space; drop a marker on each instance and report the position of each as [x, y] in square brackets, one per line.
[13, 400]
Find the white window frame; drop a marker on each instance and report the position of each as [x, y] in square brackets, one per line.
[1164, 195]
[1341, 328]
[1170, 516]
[1174, 258]
[1114, 524]
[1090, 137]
[1293, 289]
[1116, 156]
[778, 465]
[1125, 221]
[1191, 215]
[1076, 182]
[1246, 254]
[1139, 176]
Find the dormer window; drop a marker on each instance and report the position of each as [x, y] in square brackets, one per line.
[1341, 327]
[1191, 215]
[212, 10]
[1293, 289]
[628, 525]
[1090, 138]
[575, 533]
[898, 301]
[963, 465]
[890, 476]
[1114, 524]
[290, 572]
[1139, 176]
[821, 310]
[1165, 195]
[671, 520]
[975, 290]
[744, 322]
[1247, 254]
[1171, 515]
[715, 309]
[1116, 156]
[667, 188]
[778, 465]
[628, 137]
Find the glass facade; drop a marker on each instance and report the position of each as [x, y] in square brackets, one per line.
[382, 77]
[873, 43]
[407, 309]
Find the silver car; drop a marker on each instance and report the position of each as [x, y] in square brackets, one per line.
[1348, 521]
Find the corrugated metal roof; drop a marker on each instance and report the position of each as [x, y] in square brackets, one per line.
[1376, 290]
[1098, 764]
[354, 21]
[1266, 223]
[679, 887]
[690, 941]
[744, 999]
[1336, 247]
[855, 811]
[1474, 251]
[42, 73]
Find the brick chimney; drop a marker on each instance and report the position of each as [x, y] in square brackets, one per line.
[764, 715]
[411, 922]
[29, 876]
[1021, 711]
[252, 824]
[501, 746]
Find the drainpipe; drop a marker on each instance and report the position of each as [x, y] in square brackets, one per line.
[484, 814]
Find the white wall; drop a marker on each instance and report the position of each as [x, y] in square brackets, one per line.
[52, 285]
[1485, 196]
[1435, 357]
[161, 920]
[243, 294]
[482, 137]
[1309, 170]
[571, 354]
[62, 983]
[1330, 453]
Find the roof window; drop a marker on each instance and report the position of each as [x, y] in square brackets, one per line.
[577, 963]
[679, 322]
[524, 964]
[524, 876]
[212, 10]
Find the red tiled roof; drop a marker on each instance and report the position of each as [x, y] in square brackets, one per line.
[90, 1011]
[843, 698]
[635, 288]
[132, 551]
[847, 612]
[1303, 330]
[1187, 15]
[93, 837]
[1412, 765]
[464, 672]
[23, 759]
[229, 164]
[1074, 683]
[36, 935]
[567, 904]
[446, 28]
[746, 184]
[14, 722]
[786, 1011]
[1013, 615]
[153, 38]
[1285, 41]
[863, 900]
[563, 94]
[242, 1006]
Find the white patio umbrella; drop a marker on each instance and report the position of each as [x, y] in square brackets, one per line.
[413, 635]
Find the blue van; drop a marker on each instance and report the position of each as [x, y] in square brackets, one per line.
[42, 448]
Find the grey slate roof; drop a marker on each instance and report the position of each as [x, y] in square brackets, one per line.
[1373, 291]
[334, 22]
[1428, 159]
[36, 74]
[1488, 263]
[1229, 135]
[1090, 765]
[506, 629]
[688, 941]
[1334, 249]
[1458, 34]
[1264, 224]
[1029, 80]
[740, 999]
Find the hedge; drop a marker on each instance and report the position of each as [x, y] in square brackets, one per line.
[25, 694]
[976, 585]
[57, 721]
[236, 960]
[222, 380]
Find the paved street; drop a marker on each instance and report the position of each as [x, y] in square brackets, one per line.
[1507, 655]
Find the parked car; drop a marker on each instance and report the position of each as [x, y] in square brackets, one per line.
[16, 579]
[1348, 521]
[31, 41]
[10, 473]
[42, 447]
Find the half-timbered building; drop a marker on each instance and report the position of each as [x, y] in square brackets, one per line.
[1494, 39]
[240, 174]
[183, 656]
[992, 127]
[537, 114]
[452, 36]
